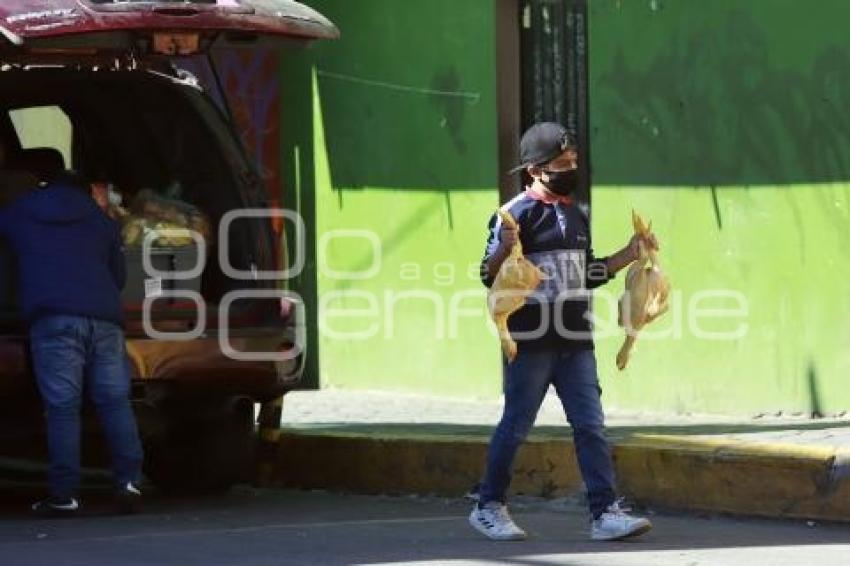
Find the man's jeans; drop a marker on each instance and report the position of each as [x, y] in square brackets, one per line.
[68, 352]
[527, 379]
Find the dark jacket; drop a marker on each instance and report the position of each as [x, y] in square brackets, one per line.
[556, 238]
[69, 254]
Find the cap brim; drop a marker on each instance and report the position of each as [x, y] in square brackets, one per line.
[537, 163]
[518, 168]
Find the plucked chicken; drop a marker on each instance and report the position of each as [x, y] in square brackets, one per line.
[516, 280]
[647, 290]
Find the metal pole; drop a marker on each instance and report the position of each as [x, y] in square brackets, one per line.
[268, 439]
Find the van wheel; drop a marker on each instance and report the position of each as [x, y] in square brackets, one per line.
[203, 454]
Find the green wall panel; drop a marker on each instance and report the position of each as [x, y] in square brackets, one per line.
[724, 122]
[404, 126]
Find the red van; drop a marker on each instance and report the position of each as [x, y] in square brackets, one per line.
[95, 86]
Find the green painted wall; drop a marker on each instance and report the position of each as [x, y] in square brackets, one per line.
[401, 143]
[725, 122]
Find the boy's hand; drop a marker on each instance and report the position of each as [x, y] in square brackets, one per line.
[507, 238]
[633, 247]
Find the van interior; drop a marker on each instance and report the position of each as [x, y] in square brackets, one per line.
[141, 132]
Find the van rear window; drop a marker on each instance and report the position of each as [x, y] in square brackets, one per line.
[44, 127]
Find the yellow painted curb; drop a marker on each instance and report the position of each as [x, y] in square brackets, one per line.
[705, 474]
[771, 480]
[437, 464]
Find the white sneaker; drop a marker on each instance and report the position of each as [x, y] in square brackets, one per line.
[616, 523]
[494, 522]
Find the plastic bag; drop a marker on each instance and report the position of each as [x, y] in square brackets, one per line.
[174, 220]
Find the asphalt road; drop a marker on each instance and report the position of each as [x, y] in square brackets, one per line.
[251, 526]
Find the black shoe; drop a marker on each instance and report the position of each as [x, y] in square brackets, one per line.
[128, 499]
[56, 507]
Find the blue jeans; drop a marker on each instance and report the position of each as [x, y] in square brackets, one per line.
[68, 351]
[527, 379]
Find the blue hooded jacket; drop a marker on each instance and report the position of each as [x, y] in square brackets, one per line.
[69, 253]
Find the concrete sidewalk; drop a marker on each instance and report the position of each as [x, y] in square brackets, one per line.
[366, 442]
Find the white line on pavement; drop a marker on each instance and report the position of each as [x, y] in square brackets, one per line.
[241, 530]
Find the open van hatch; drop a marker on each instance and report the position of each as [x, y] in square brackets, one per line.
[163, 28]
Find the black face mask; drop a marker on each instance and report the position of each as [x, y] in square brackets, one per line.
[562, 183]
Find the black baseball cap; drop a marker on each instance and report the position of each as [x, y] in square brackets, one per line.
[542, 143]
